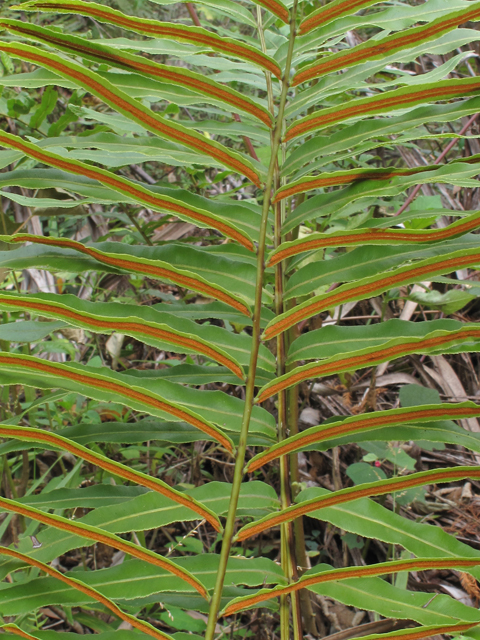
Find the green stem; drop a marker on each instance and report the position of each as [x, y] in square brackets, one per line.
[250, 385]
[137, 226]
[289, 560]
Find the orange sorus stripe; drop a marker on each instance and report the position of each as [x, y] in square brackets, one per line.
[115, 468]
[137, 267]
[124, 186]
[116, 387]
[149, 120]
[438, 93]
[92, 593]
[385, 568]
[361, 424]
[355, 493]
[387, 45]
[368, 359]
[146, 67]
[277, 9]
[12, 628]
[173, 31]
[126, 327]
[346, 178]
[365, 290]
[110, 540]
[329, 13]
[426, 632]
[369, 235]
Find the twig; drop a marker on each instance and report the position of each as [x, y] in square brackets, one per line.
[449, 146]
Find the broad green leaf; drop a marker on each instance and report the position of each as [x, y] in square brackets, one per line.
[372, 520]
[255, 495]
[92, 497]
[201, 311]
[45, 108]
[28, 330]
[378, 595]
[200, 374]
[136, 579]
[151, 510]
[449, 302]
[145, 509]
[148, 429]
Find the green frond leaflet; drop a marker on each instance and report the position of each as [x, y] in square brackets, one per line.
[99, 535]
[67, 308]
[337, 178]
[435, 342]
[383, 103]
[367, 287]
[277, 8]
[332, 11]
[89, 591]
[386, 46]
[372, 237]
[381, 569]
[12, 628]
[92, 383]
[139, 64]
[154, 268]
[353, 424]
[154, 28]
[37, 435]
[366, 490]
[132, 108]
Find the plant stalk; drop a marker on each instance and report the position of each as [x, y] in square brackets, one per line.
[250, 384]
[289, 559]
